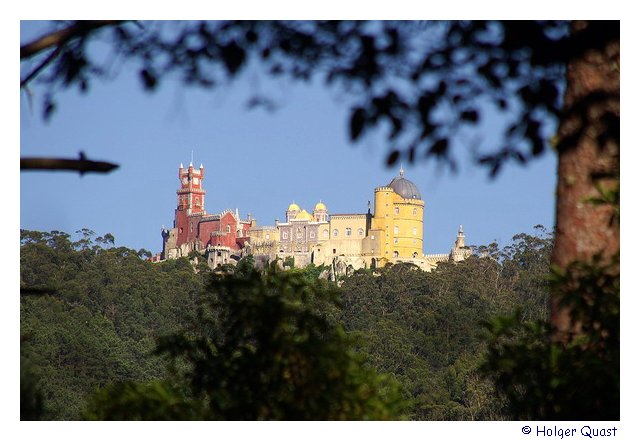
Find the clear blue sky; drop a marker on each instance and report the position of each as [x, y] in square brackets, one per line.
[256, 161]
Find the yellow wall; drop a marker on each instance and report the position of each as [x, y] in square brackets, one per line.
[397, 219]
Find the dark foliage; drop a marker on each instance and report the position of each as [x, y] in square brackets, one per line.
[262, 347]
[546, 375]
[89, 315]
[428, 83]
[95, 312]
[424, 328]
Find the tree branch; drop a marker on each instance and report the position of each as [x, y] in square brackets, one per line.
[41, 66]
[59, 38]
[81, 165]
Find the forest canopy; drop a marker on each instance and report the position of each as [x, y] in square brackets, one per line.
[105, 330]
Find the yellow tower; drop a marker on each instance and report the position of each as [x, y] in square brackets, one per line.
[398, 220]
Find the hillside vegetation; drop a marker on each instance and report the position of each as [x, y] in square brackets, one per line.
[106, 334]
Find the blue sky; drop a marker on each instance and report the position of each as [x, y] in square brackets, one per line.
[256, 161]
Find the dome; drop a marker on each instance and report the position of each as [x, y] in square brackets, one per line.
[320, 206]
[405, 187]
[304, 215]
[293, 207]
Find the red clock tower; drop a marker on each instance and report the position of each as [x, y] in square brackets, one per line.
[190, 202]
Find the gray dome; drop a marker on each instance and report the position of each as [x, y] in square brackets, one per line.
[405, 187]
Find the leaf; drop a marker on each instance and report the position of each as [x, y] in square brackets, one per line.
[149, 80]
[49, 108]
[357, 123]
[393, 157]
[440, 147]
[233, 57]
[469, 115]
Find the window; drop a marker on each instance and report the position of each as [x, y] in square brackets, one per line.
[396, 210]
[285, 235]
[312, 235]
[415, 231]
[395, 240]
[415, 211]
[325, 234]
[228, 228]
[360, 232]
[415, 255]
[266, 237]
[396, 254]
[335, 232]
[347, 232]
[396, 230]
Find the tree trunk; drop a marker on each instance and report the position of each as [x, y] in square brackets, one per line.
[588, 157]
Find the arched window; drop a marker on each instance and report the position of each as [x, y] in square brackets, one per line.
[228, 228]
[396, 254]
[415, 255]
[360, 232]
[396, 210]
[396, 230]
[312, 234]
[347, 232]
[285, 235]
[415, 211]
[335, 232]
[325, 234]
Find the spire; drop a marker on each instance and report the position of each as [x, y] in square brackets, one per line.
[181, 166]
[460, 232]
[401, 171]
[191, 163]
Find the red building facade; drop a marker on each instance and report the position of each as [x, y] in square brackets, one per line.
[194, 229]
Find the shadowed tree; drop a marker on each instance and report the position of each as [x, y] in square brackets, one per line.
[262, 347]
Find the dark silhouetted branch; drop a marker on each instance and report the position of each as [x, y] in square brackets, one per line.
[41, 66]
[59, 38]
[81, 165]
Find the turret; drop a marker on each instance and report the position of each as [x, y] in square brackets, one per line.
[459, 239]
[320, 212]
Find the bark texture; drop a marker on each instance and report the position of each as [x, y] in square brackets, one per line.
[589, 156]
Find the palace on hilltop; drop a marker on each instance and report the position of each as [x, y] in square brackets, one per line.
[393, 233]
